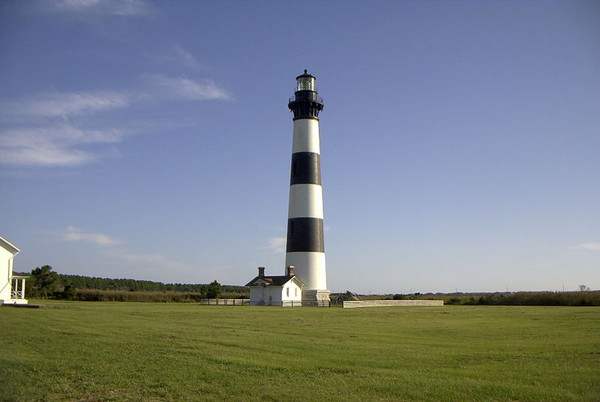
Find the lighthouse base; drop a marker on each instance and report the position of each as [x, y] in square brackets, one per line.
[316, 298]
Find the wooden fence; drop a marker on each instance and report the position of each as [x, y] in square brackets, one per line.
[392, 303]
[225, 302]
[246, 302]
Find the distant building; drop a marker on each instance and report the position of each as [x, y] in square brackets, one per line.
[283, 290]
[12, 287]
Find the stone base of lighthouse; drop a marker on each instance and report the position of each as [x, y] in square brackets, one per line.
[317, 298]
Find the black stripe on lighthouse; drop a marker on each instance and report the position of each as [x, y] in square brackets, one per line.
[305, 234]
[306, 104]
[306, 168]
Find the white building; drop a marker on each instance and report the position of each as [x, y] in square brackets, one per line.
[276, 290]
[12, 287]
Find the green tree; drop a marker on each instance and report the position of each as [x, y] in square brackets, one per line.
[214, 290]
[44, 281]
[69, 293]
[348, 296]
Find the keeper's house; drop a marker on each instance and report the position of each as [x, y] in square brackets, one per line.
[276, 290]
[12, 287]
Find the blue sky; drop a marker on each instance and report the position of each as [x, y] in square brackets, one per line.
[151, 140]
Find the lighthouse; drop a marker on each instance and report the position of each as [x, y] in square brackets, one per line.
[305, 249]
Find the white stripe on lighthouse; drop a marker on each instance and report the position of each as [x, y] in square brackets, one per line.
[306, 201]
[306, 136]
[315, 274]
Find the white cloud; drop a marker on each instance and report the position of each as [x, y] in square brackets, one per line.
[153, 259]
[43, 131]
[277, 244]
[161, 86]
[66, 104]
[77, 4]
[53, 146]
[47, 156]
[62, 134]
[38, 140]
[74, 234]
[152, 262]
[589, 246]
[178, 55]
[124, 8]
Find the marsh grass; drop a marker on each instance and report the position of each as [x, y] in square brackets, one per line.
[141, 351]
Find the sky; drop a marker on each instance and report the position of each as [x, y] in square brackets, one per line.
[460, 140]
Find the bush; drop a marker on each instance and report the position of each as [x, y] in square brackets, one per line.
[43, 282]
[214, 290]
[580, 298]
[69, 293]
[127, 296]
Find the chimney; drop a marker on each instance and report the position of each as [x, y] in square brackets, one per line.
[290, 270]
[261, 271]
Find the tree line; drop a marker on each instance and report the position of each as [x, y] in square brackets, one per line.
[44, 282]
[583, 297]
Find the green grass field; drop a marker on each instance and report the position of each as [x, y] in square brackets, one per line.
[147, 351]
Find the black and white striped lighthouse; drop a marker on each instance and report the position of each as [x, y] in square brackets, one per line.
[305, 246]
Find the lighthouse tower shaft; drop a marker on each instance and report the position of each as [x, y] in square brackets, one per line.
[305, 245]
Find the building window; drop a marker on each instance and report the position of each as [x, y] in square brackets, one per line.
[287, 292]
[296, 292]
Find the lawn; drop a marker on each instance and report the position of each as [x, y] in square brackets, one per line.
[151, 351]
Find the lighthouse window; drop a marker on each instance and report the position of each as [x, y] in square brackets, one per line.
[306, 84]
